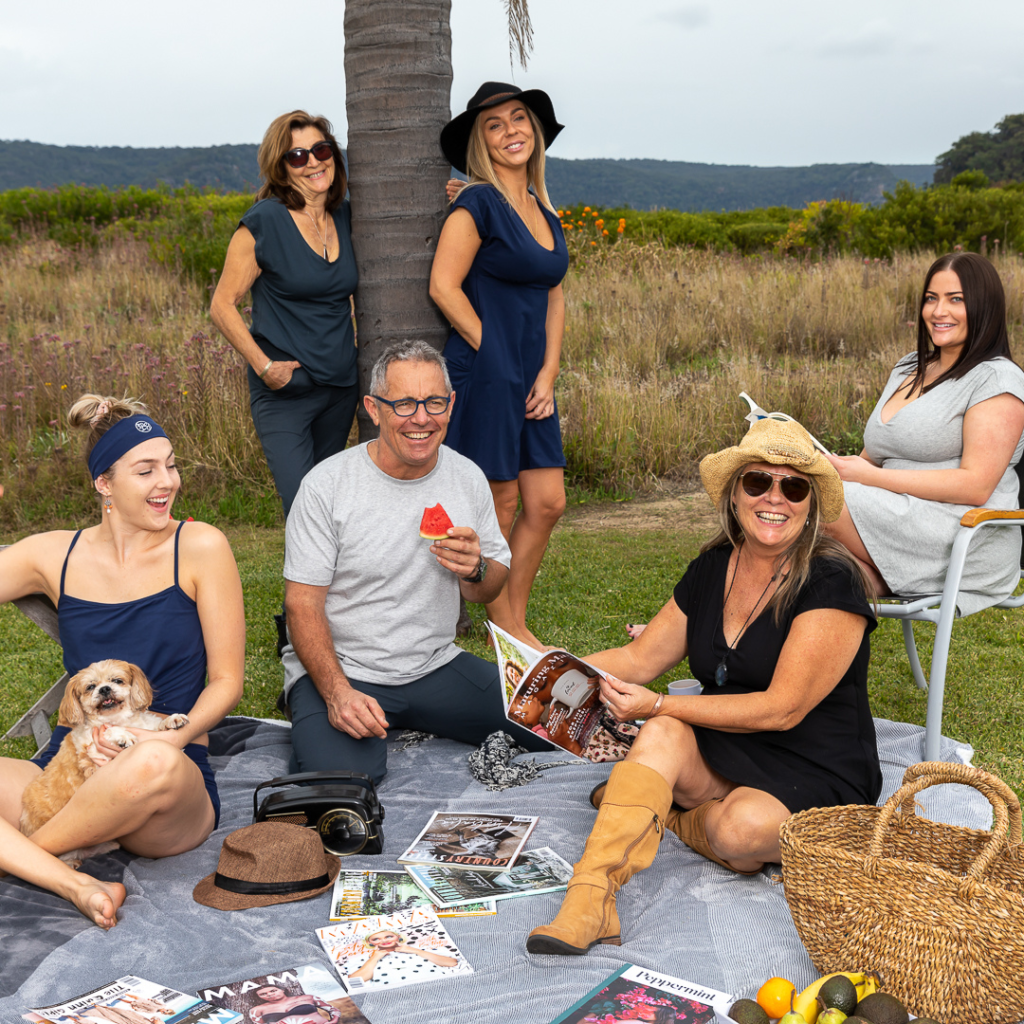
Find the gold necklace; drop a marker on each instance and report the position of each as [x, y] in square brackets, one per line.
[323, 240]
[531, 224]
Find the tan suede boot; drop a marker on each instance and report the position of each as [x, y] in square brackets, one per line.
[689, 826]
[623, 841]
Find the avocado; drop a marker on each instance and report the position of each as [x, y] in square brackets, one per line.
[838, 992]
[746, 1011]
[882, 1008]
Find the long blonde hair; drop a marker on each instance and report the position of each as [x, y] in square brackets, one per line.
[481, 170]
[797, 558]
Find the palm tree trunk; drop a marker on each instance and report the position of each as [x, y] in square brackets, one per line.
[398, 75]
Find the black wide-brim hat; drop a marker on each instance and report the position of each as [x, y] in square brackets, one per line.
[455, 134]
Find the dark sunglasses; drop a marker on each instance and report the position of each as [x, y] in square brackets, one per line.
[299, 157]
[758, 482]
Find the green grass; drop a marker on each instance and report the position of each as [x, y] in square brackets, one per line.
[591, 584]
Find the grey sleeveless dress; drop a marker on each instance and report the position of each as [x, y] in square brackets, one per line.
[910, 539]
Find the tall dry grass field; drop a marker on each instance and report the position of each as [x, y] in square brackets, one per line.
[659, 343]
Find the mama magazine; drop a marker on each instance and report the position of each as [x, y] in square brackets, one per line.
[535, 871]
[392, 950]
[635, 993]
[131, 1000]
[554, 694]
[309, 994]
[371, 893]
[470, 839]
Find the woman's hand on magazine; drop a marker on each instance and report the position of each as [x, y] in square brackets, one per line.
[626, 701]
[853, 469]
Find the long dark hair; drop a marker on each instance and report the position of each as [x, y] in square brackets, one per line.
[985, 305]
[277, 141]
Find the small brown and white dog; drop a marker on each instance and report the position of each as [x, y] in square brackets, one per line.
[112, 694]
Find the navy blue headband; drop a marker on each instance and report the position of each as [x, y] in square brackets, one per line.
[122, 437]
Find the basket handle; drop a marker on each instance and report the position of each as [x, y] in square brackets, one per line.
[1005, 806]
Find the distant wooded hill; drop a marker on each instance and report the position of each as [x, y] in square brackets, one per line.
[642, 184]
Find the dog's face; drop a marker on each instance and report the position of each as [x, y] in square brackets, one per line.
[105, 693]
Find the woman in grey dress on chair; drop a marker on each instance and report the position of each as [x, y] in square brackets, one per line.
[943, 438]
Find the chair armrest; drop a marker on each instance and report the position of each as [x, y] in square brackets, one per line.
[982, 515]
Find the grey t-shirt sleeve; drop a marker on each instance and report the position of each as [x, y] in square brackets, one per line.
[311, 535]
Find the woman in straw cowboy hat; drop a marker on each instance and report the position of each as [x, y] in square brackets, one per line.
[497, 276]
[774, 619]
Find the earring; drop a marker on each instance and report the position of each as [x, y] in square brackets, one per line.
[108, 505]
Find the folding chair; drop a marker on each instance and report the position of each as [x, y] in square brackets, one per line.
[942, 610]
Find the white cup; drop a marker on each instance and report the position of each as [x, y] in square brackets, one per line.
[685, 688]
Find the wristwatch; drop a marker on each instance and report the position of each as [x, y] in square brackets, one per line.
[481, 572]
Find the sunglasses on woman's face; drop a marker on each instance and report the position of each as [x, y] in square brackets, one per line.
[299, 157]
[758, 482]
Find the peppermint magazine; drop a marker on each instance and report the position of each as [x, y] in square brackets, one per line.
[535, 871]
[392, 950]
[131, 1000]
[372, 893]
[310, 993]
[473, 840]
[635, 993]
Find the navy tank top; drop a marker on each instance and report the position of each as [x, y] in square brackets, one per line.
[160, 633]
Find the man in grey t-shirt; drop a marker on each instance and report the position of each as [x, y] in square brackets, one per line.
[372, 606]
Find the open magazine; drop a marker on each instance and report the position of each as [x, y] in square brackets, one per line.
[757, 413]
[553, 694]
[131, 1000]
[309, 994]
[392, 950]
[535, 871]
[635, 993]
[470, 839]
[371, 893]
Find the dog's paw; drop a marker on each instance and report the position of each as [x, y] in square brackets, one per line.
[119, 737]
[175, 722]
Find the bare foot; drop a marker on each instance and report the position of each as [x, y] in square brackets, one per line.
[99, 901]
[634, 629]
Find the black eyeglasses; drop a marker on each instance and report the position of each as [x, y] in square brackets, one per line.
[758, 482]
[299, 157]
[435, 404]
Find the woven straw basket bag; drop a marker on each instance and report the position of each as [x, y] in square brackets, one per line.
[937, 910]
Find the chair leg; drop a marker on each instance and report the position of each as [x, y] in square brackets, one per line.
[937, 681]
[912, 656]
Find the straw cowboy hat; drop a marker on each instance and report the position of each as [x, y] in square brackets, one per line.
[267, 863]
[455, 134]
[780, 443]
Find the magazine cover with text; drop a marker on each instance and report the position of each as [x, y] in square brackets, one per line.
[131, 1000]
[309, 994]
[636, 993]
[535, 871]
[553, 694]
[471, 839]
[392, 950]
[371, 893]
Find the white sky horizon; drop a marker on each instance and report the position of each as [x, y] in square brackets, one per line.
[736, 82]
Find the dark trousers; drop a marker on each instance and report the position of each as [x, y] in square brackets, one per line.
[299, 425]
[459, 701]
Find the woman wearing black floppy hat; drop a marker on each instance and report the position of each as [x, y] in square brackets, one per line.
[497, 276]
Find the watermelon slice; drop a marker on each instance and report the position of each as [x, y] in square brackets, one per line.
[435, 523]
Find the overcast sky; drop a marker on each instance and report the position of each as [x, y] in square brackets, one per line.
[768, 82]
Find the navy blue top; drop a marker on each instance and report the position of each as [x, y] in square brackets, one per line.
[300, 301]
[829, 758]
[507, 286]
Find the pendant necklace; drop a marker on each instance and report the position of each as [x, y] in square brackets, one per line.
[722, 672]
[323, 240]
[530, 225]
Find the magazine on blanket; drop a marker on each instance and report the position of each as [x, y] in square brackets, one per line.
[535, 871]
[309, 994]
[470, 839]
[131, 1000]
[371, 893]
[553, 694]
[391, 950]
[636, 993]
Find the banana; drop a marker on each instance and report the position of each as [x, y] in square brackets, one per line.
[807, 1005]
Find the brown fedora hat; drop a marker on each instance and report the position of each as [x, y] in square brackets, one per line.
[266, 863]
[455, 134]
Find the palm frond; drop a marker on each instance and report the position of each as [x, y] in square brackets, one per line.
[520, 31]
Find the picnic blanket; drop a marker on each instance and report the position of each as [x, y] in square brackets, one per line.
[685, 915]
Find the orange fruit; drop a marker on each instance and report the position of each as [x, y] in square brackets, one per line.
[774, 995]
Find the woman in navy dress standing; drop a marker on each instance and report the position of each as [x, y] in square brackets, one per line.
[497, 276]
